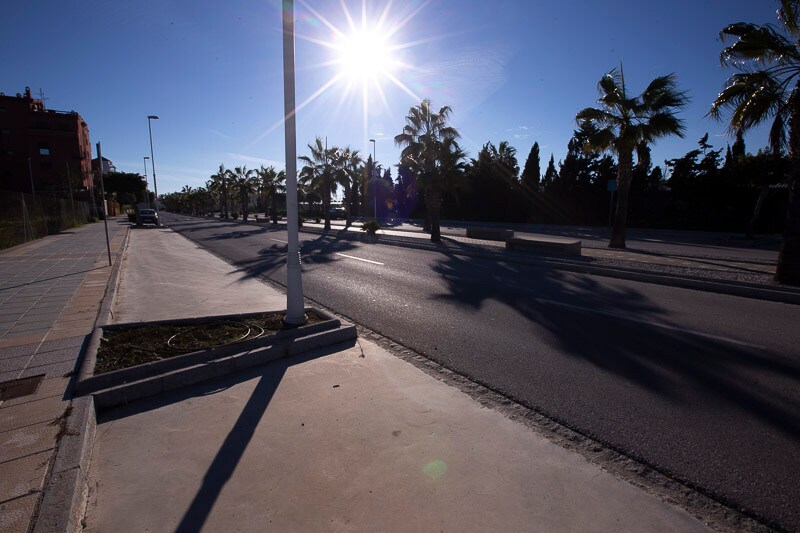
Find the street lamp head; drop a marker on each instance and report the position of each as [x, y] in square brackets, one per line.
[147, 157]
[154, 117]
[372, 140]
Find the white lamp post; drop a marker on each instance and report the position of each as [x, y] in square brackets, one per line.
[152, 157]
[295, 311]
[372, 182]
[146, 185]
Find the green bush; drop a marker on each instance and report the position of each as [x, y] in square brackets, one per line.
[300, 220]
[235, 215]
[371, 227]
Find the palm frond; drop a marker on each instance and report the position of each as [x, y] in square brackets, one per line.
[758, 44]
[663, 93]
[789, 15]
[602, 140]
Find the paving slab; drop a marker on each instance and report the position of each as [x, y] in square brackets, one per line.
[15, 514]
[24, 475]
[27, 441]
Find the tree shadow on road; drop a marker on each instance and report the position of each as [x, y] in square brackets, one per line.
[614, 364]
[617, 329]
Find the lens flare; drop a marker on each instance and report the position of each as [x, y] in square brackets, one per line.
[435, 469]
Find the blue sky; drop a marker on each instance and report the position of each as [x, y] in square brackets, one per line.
[511, 70]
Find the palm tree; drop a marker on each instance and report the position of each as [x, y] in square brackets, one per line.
[318, 174]
[347, 164]
[271, 183]
[768, 88]
[427, 141]
[218, 185]
[246, 184]
[623, 122]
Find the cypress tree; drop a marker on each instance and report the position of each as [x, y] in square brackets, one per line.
[531, 174]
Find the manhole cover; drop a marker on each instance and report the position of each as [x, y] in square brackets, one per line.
[19, 387]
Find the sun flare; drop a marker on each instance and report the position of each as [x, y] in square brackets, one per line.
[365, 54]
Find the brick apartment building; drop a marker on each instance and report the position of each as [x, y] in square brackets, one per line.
[38, 146]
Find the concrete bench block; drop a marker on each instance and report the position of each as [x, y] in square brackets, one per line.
[490, 234]
[545, 245]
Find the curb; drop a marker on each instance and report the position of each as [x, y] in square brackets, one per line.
[64, 503]
[66, 494]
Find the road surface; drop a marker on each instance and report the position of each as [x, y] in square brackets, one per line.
[702, 386]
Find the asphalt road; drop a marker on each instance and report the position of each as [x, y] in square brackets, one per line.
[705, 387]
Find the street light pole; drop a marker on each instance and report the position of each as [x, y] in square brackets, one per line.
[152, 157]
[146, 185]
[295, 311]
[374, 196]
[103, 193]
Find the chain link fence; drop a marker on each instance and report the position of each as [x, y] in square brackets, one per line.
[25, 217]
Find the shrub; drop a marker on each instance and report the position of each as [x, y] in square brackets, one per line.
[300, 220]
[371, 227]
[235, 215]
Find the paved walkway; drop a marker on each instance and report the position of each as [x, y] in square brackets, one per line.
[50, 294]
[347, 439]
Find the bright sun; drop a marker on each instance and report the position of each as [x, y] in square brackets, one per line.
[364, 55]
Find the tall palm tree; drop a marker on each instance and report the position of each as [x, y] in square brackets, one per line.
[768, 88]
[318, 174]
[245, 184]
[347, 165]
[428, 140]
[623, 122]
[219, 186]
[271, 183]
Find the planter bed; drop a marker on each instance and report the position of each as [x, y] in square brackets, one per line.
[180, 366]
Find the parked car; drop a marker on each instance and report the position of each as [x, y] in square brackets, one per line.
[338, 213]
[147, 216]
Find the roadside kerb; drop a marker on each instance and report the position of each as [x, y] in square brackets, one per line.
[105, 314]
[65, 495]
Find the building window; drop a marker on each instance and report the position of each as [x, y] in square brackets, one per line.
[45, 165]
[44, 149]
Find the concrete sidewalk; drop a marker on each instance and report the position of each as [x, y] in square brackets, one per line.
[50, 294]
[347, 439]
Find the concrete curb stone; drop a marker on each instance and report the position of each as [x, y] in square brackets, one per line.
[65, 496]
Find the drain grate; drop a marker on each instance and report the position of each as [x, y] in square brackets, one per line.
[19, 387]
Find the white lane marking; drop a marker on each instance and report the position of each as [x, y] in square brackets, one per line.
[278, 240]
[360, 259]
[651, 323]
